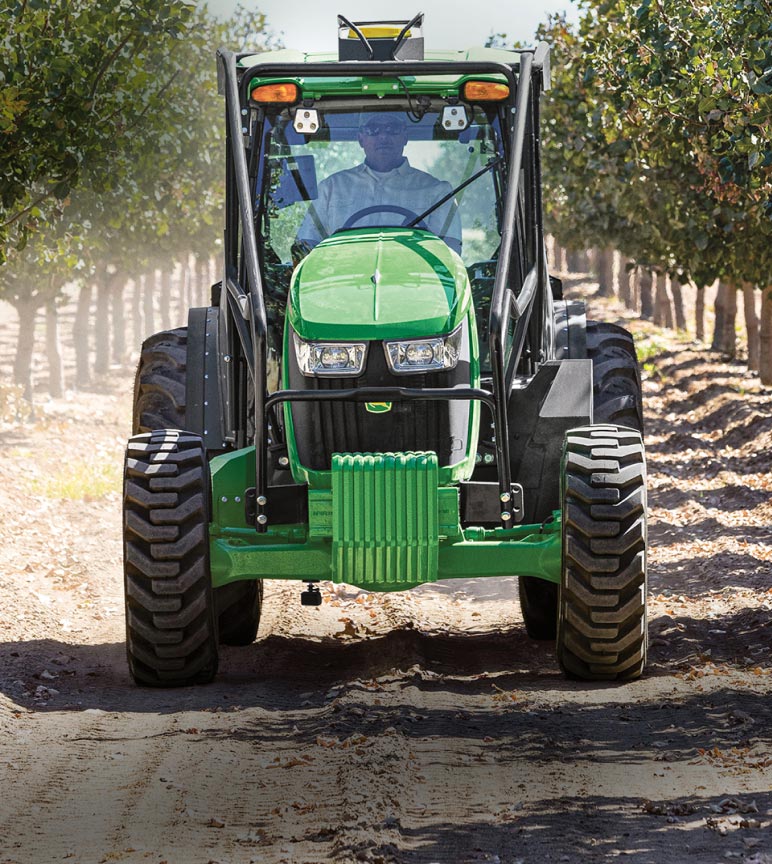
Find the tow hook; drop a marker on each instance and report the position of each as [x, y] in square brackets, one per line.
[312, 596]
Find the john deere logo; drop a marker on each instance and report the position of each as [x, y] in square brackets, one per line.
[377, 407]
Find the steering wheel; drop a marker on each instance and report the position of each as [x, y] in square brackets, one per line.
[409, 215]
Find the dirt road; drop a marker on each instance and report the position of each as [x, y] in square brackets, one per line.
[422, 727]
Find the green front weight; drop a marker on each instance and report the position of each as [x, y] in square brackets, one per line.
[384, 525]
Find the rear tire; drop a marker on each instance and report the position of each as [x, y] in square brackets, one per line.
[616, 378]
[159, 385]
[617, 399]
[539, 605]
[602, 599]
[160, 403]
[171, 628]
[238, 609]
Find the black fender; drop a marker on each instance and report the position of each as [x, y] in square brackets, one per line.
[540, 412]
[202, 383]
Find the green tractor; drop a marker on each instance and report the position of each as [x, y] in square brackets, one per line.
[387, 388]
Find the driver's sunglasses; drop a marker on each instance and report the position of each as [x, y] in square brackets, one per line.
[383, 129]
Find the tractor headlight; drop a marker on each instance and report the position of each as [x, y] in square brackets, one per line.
[424, 355]
[336, 359]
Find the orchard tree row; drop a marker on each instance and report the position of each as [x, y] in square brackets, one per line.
[658, 144]
[112, 136]
[104, 322]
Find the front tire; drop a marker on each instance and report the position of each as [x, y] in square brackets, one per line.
[160, 403]
[171, 628]
[602, 620]
[159, 385]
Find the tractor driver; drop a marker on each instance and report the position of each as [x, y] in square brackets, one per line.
[384, 178]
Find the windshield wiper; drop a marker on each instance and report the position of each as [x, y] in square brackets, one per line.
[492, 163]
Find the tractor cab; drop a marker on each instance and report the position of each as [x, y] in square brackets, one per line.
[378, 182]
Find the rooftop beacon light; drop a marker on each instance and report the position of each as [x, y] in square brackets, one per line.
[381, 40]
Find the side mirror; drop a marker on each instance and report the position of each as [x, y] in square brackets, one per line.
[294, 180]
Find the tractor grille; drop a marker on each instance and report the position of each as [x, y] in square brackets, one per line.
[324, 428]
[350, 428]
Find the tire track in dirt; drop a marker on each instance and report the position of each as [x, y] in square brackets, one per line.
[79, 768]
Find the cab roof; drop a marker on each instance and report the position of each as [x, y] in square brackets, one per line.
[290, 55]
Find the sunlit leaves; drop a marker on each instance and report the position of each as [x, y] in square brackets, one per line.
[67, 102]
[114, 134]
[659, 134]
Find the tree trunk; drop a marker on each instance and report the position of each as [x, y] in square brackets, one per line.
[645, 286]
[623, 285]
[182, 275]
[102, 322]
[724, 335]
[214, 278]
[664, 309]
[605, 267]
[719, 306]
[678, 303]
[659, 311]
[54, 351]
[25, 344]
[166, 299]
[81, 336]
[202, 278]
[187, 288]
[562, 256]
[765, 338]
[557, 254]
[118, 319]
[552, 264]
[148, 307]
[635, 289]
[751, 324]
[137, 330]
[699, 314]
[729, 339]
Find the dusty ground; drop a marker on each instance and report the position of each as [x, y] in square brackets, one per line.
[422, 727]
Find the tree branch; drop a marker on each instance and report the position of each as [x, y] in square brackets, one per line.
[106, 63]
[34, 203]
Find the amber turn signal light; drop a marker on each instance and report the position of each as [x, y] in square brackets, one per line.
[276, 94]
[485, 91]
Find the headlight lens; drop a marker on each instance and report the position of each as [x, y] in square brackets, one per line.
[424, 355]
[336, 359]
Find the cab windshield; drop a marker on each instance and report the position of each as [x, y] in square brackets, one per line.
[380, 168]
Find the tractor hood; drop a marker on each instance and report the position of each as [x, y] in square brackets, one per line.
[379, 283]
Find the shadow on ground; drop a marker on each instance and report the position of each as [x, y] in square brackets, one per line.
[276, 669]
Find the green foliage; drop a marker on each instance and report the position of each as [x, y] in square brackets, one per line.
[139, 145]
[658, 134]
[77, 78]
[647, 348]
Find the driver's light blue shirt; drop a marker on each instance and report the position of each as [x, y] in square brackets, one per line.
[344, 193]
